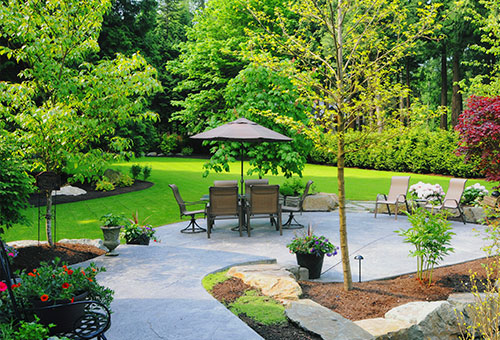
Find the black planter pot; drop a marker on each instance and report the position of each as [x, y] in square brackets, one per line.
[312, 262]
[142, 240]
[63, 316]
[495, 193]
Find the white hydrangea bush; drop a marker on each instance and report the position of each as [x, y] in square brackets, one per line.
[426, 191]
[474, 194]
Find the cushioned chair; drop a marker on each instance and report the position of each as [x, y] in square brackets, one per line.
[224, 204]
[192, 227]
[292, 223]
[264, 203]
[452, 198]
[396, 196]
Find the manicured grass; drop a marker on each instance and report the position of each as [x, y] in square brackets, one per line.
[81, 219]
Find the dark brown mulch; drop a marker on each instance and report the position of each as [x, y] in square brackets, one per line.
[30, 257]
[38, 199]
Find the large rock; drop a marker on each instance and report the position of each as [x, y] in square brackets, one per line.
[321, 202]
[324, 322]
[474, 214]
[98, 243]
[434, 320]
[382, 328]
[272, 279]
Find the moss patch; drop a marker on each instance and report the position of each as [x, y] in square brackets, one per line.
[211, 280]
[259, 308]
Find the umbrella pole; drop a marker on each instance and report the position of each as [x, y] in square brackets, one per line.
[242, 182]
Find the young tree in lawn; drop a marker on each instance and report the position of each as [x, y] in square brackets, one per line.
[342, 55]
[65, 109]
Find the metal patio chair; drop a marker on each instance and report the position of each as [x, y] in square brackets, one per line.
[452, 198]
[396, 196]
[224, 204]
[292, 223]
[192, 227]
[264, 203]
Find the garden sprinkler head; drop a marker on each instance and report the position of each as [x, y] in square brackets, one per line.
[359, 258]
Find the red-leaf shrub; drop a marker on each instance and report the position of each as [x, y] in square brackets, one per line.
[479, 129]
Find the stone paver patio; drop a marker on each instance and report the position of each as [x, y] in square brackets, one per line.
[158, 291]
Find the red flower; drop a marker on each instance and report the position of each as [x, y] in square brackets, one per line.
[72, 299]
[31, 274]
[15, 285]
[70, 272]
[3, 286]
[65, 285]
[65, 267]
[83, 272]
[44, 297]
[90, 279]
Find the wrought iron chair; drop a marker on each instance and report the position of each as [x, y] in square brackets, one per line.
[224, 204]
[397, 195]
[264, 203]
[452, 198]
[192, 227]
[292, 223]
[93, 323]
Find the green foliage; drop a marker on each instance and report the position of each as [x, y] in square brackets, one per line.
[170, 143]
[25, 330]
[430, 234]
[136, 229]
[135, 170]
[15, 185]
[473, 194]
[146, 172]
[262, 309]
[292, 187]
[104, 185]
[113, 220]
[413, 150]
[211, 280]
[187, 151]
[125, 181]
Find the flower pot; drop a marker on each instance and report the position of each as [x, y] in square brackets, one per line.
[142, 240]
[63, 316]
[312, 262]
[495, 193]
[111, 238]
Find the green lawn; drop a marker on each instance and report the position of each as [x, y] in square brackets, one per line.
[81, 219]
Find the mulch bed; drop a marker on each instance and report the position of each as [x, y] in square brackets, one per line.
[38, 199]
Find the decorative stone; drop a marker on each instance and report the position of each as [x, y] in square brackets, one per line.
[151, 154]
[321, 202]
[299, 272]
[69, 190]
[98, 243]
[324, 322]
[272, 279]
[382, 327]
[112, 175]
[474, 214]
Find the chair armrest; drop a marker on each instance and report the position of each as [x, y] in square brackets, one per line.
[384, 195]
[404, 198]
[196, 202]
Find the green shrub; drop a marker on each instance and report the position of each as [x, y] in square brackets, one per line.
[411, 150]
[104, 185]
[292, 187]
[262, 309]
[211, 280]
[125, 181]
[187, 151]
[135, 171]
[146, 172]
[170, 143]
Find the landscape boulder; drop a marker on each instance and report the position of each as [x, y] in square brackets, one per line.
[321, 202]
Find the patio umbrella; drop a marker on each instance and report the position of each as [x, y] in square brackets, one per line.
[242, 130]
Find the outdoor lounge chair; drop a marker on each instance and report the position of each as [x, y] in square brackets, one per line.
[192, 227]
[264, 203]
[397, 195]
[224, 204]
[290, 224]
[452, 198]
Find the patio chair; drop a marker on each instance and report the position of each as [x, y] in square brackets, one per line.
[292, 223]
[225, 183]
[250, 182]
[192, 227]
[264, 203]
[397, 195]
[452, 198]
[224, 204]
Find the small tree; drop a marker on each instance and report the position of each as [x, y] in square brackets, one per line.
[479, 128]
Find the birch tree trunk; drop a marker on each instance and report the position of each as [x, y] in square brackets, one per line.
[48, 217]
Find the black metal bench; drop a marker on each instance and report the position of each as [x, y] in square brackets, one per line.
[94, 322]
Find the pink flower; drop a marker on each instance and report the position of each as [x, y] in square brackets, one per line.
[3, 286]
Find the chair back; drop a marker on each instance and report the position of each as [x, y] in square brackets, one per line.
[250, 182]
[454, 194]
[223, 201]
[178, 198]
[399, 187]
[264, 199]
[304, 195]
[225, 183]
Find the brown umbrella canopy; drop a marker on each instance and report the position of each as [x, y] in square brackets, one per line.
[242, 130]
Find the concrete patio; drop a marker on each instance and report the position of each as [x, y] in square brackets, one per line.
[158, 291]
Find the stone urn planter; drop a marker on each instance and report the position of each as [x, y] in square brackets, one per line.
[111, 239]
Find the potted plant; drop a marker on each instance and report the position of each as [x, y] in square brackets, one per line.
[111, 225]
[57, 284]
[310, 251]
[136, 232]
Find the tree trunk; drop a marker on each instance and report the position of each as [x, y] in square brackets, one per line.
[456, 98]
[444, 87]
[48, 217]
[407, 83]
[340, 160]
